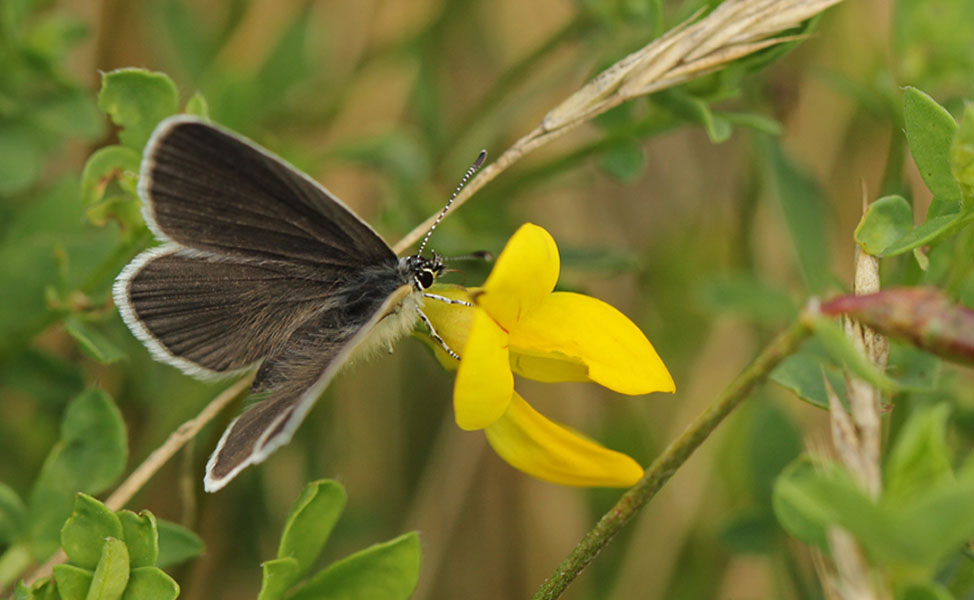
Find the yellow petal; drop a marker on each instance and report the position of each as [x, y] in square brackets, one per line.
[525, 273]
[451, 321]
[484, 382]
[547, 367]
[615, 351]
[546, 450]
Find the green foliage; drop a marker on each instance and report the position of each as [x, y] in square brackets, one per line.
[177, 544]
[92, 342]
[962, 157]
[684, 253]
[805, 216]
[136, 100]
[943, 157]
[922, 518]
[89, 457]
[386, 570]
[112, 556]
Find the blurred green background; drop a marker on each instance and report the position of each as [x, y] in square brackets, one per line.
[708, 228]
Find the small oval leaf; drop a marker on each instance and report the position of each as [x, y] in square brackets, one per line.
[930, 132]
[150, 583]
[388, 570]
[311, 521]
[141, 537]
[112, 573]
[279, 575]
[84, 534]
[136, 100]
[176, 543]
[72, 582]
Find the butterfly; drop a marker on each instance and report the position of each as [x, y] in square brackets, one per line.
[261, 266]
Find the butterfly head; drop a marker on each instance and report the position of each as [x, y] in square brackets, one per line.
[420, 271]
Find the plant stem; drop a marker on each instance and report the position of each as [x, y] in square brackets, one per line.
[670, 460]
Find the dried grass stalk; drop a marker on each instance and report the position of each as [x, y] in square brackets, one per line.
[696, 47]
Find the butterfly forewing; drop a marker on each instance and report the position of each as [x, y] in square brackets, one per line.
[209, 189]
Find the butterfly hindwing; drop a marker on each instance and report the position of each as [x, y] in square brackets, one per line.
[302, 369]
[207, 314]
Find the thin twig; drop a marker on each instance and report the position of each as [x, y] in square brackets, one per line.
[670, 460]
[140, 476]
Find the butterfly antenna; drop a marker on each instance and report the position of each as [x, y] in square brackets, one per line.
[466, 176]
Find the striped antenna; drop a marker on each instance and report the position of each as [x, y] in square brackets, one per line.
[473, 169]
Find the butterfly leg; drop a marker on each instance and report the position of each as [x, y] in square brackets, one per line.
[445, 299]
[437, 337]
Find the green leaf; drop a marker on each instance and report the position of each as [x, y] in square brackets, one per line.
[886, 221]
[311, 521]
[749, 532]
[34, 243]
[625, 160]
[198, 106]
[388, 570]
[748, 296]
[72, 112]
[150, 583]
[930, 132]
[141, 537]
[757, 122]
[931, 526]
[176, 544]
[804, 374]
[279, 575]
[92, 342]
[805, 216]
[928, 590]
[695, 110]
[809, 497]
[136, 100]
[962, 157]
[914, 368]
[106, 165]
[937, 227]
[44, 589]
[112, 573]
[72, 582]
[13, 514]
[21, 157]
[841, 348]
[920, 458]
[84, 534]
[93, 449]
[773, 443]
[89, 457]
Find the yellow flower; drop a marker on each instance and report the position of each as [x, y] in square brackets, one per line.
[519, 325]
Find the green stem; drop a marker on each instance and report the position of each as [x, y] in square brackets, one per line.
[672, 458]
[13, 562]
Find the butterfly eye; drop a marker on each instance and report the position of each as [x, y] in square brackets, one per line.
[424, 278]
